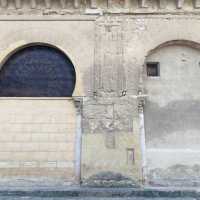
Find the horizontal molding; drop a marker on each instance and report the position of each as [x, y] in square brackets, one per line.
[63, 7]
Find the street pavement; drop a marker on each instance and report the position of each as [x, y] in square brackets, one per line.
[90, 198]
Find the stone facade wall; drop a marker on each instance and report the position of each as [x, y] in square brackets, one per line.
[35, 140]
[108, 42]
[172, 131]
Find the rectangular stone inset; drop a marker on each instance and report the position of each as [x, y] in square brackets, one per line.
[110, 140]
[31, 164]
[130, 155]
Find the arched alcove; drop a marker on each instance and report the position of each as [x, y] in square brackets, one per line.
[171, 112]
[37, 70]
[41, 127]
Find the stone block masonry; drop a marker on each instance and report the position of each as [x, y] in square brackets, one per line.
[35, 138]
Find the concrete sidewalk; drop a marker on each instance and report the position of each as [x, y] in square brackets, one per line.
[48, 188]
[102, 193]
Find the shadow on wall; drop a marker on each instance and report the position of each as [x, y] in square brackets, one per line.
[176, 116]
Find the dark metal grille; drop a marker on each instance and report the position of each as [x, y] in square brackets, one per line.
[153, 69]
[37, 71]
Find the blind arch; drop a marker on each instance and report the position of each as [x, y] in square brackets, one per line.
[37, 70]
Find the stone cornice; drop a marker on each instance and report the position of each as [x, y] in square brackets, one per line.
[51, 7]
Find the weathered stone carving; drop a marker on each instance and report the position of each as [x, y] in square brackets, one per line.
[109, 70]
[127, 6]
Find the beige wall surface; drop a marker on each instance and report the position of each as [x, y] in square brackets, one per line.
[109, 54]
[37, 137]
[172, 114]
[75, 38]
[120, 69]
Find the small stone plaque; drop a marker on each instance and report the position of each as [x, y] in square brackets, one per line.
[130, 155]
[110, 140]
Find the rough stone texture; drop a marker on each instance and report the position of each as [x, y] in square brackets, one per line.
[35, 141]
[171, 117]
[109, 179]
[108, 43]
[63, 7]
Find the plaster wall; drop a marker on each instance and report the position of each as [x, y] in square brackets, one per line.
[172, 115]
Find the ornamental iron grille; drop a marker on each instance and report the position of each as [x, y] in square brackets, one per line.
[37, 71]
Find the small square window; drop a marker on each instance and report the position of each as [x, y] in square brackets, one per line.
[153, 69]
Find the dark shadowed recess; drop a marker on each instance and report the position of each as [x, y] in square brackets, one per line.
[37, 71]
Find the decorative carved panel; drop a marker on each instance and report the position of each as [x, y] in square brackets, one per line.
[109, 69]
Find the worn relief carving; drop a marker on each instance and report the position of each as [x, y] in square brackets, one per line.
[109, 71]
[94, 6]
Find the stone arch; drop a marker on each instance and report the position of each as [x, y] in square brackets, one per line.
[47, 117]
[11, 51]
[183, 42]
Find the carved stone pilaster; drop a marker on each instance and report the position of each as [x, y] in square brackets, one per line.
[95, 7]
[141, 102]
[78, 101]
